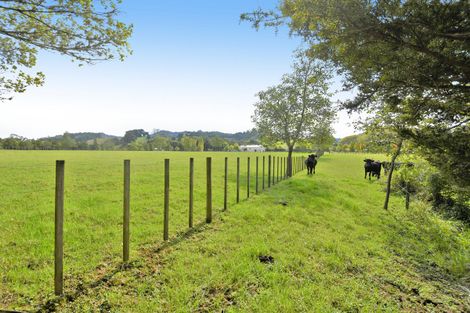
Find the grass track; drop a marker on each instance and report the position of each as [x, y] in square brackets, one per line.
[334, 248]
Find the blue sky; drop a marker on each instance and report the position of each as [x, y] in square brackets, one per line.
[194, 66]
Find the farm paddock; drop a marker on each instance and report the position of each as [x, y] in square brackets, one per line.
[333, 247]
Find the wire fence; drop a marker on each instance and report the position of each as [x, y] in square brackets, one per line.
[222, 185]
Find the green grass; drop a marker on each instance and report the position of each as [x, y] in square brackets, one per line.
[335, 249]
[93, 210]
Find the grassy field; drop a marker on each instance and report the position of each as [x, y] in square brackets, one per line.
[93, 210]
[334, 248]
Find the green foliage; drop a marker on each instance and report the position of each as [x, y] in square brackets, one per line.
[353, 143]
[132, 135]
[426, 183]
[298, 109]
[139, 144]
[67, 142]
[246, 137]
[451, 200]
[192, 143]
[407, 60]
[87, 31]
[160, 143]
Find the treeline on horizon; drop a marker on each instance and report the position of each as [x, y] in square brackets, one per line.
[162, 140]
[136, 140]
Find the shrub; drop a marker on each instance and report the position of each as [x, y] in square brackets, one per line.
[426, 183]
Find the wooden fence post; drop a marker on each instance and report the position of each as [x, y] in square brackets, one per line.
[277, 169]
[264, 161]
[287, 165]
[209, 190]
[191, 191]
[248, 178]
[166, 210]
[238, 179]
[59, 229]
[295, 165]
[225, 183]
[126, 208]
[269, 171]
[274, 170]
[257, 187]
[285, 168]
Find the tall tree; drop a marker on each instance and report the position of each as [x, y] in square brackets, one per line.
[410, 57]
[87, 31]
[298, 109]
[133, 134]
[188, 143]
[67, 142]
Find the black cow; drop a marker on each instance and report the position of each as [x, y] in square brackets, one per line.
[372, 167]
[311, 162]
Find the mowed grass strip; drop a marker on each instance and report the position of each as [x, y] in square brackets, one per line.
[334, 249]
[93, 211]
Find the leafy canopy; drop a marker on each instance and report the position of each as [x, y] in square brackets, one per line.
[298, 109]
[408, 58]
[87, 31]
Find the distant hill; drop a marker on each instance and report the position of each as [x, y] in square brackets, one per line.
[250, 136]
[246, 136]
[83, 136]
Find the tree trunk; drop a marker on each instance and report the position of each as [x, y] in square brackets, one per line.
[289, 161]
[390, 173]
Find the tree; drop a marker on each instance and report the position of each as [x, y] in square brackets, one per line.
[87, 31]
[406, 57]
[67, 142]
[298, 109]
[139, 144]
[189, 143]
[108, 143]
[132, 135]
[322, 141]
[215, 143]
[160, 143]
[199, 143]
